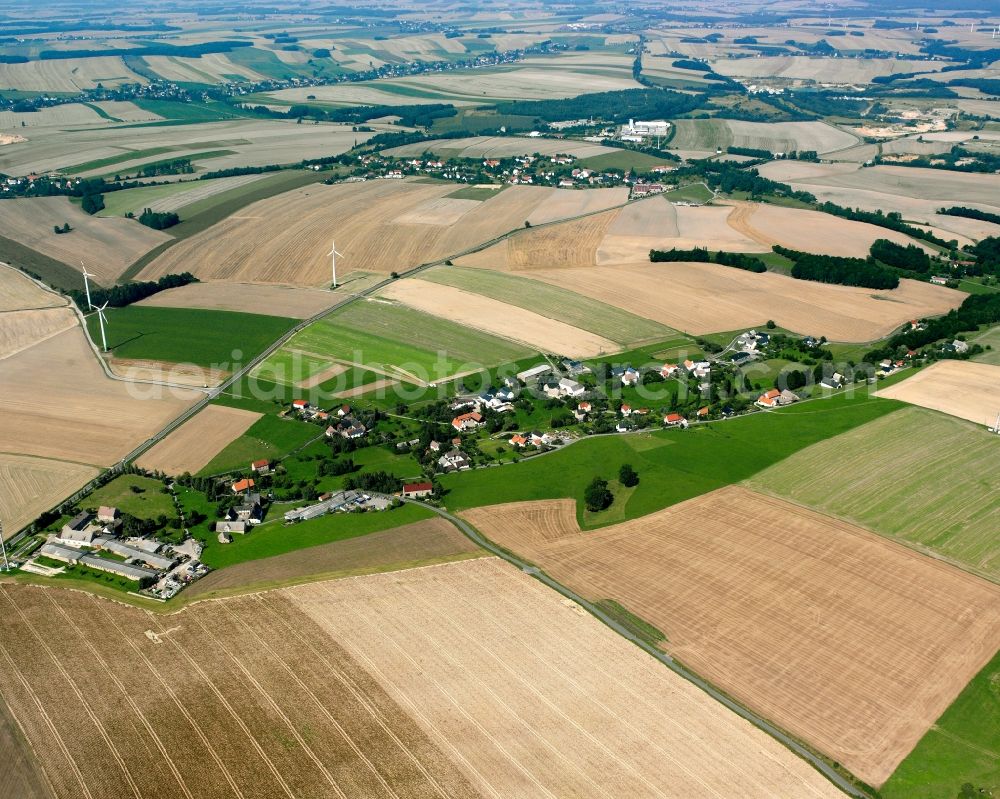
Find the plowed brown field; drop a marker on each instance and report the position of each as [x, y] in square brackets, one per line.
[965, 389]
[459, 680]
[192, 445]
[849, 641]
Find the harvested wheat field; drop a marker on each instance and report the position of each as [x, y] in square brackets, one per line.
[849, 641]
[108, 246]
[192, 445]
[367, 219]
[21, 777]
[809, 231]
[22, 329]
[59, 404]
[287, 301]
[19, 292]
[568, 203]
[866, 476]
[140, 370]
[29, 486]
[533, 697]
[458, 680]
[498, 318]
[410, 545]
[707, 298]
[966, 389]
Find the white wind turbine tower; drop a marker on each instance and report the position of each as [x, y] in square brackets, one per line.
[333, 260]
[86, 284]
[102, 320]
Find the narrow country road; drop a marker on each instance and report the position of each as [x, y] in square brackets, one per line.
[762, 724]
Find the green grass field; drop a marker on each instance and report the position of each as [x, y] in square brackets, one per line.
[384, 335]
[988, 338]
[916, 475]
[553, 302]
[962, 747]
[476, 193]
[131, 155]
[692, 193]
[186, 335]
[673, 465]
[701, 134]
[118, 203]
[274, 538]
[147, 502]
[269, 437]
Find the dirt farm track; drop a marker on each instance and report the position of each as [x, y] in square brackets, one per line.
[460, 680]
[793, 613]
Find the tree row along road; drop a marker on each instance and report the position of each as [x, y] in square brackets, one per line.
[762, 724]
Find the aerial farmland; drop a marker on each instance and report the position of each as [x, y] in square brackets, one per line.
[592, 400]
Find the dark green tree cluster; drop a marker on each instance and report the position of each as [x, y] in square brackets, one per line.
[616, 106]
[127, 293]
[987, 253]
[842, 271]
[597, 496]
[737, 260]
[971, 213]
[381, 481]
[158, 220]
[92, 203]
[911, 257]
[975, 310]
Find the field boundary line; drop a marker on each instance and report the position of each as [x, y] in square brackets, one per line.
[760, 722]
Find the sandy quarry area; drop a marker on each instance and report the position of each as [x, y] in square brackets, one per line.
[707, 298]
[967, 389]
[59, 404]
[288, 301]
[498, 318]
[192, 445]
[794, 613]
[452, 681]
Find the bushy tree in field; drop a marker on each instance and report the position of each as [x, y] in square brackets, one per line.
[628, 476]
[597, 495]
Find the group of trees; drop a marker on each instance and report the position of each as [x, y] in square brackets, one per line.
[127, 293]
[598, 496]
[975, 310]
[843, 271]
[736, 260]
[60, 229]
[971, 213]
[614, 106]
[92, 203]
[158, 220]
[380, 481]
[987, 253]
[911, 257]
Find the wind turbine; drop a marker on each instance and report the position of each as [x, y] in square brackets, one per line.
[86, 284]
[333, 260]
[102, 319]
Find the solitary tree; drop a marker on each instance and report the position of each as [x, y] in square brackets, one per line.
[597, 496]
[627, 476]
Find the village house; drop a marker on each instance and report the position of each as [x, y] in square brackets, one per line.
[454, 461]
[836, 380]
[674, 420]
[571, 388]
[263, 466]
[228, 526]
[80, 529]
[417, 490]
[299, 404]
[467, 421]
[623, 426]
[769, 399]
[669, 370]
[109, 516]
[517, 440]
[630, 376]
[249, 511]
[240, 486]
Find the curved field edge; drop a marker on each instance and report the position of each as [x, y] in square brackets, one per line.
[673, 465]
